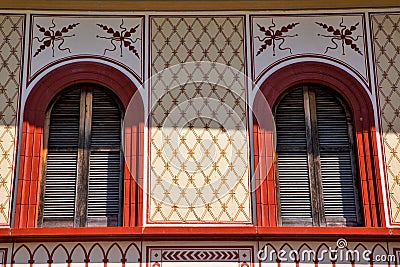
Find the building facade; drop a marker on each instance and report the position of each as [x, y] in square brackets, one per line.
[184, 133]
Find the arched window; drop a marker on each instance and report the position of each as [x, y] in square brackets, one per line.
[82, 177]
[316, 165]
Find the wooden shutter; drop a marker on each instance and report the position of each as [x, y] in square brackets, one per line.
[315, 159]
[82, 182]
[62, 153]
[294, 184]
[336, 156]
[105, 162]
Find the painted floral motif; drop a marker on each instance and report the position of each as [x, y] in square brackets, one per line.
[51, 37]
[343, 35]
[123, 37]
[272, 36]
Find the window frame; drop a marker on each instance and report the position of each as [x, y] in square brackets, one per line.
[313, 148]
[357, 95]
[84, 150]
[40, 97]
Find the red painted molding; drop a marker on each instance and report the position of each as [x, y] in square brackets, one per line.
[365, 139]
[36, 106]
[209, 233]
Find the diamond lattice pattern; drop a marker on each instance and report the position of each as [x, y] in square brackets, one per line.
[386, 30]
[199, 147]
[10, 55]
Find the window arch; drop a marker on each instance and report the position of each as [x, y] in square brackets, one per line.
[32, 154]
[81, 183]
[361, 110]
[316, 172]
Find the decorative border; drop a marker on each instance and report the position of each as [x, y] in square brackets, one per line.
[78, 248]
[244, 255]
[157, 255]
[175, 5]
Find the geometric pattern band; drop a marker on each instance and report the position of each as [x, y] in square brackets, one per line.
[386, 32]
[165, 256]
[11, 36]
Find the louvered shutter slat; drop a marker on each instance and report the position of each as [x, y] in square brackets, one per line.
[106, 121]
[60, 186]
[61, 171]
[64, 122]
[105, 161]
[294, 185]
[336, 162]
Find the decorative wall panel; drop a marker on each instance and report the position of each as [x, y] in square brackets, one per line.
[11, 36]
[114, 39]
[386, 33]
[338, 38]
[199, 148]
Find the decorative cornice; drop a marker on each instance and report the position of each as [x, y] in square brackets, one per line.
[190, 5]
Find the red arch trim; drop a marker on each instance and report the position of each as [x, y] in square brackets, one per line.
[364, 128]
[36, 105]
[321, 73]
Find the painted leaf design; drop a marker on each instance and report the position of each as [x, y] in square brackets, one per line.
[122, 36]
[134, 51]
[41, 29]
[133, 30]
[50, 37]
[271, 36]
[345, 36]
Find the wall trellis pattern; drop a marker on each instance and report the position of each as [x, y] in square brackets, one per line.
[386, 33]
[11, 34]
[198, 172]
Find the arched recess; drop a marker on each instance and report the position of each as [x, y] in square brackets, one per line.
[36, 105]
[364, 128]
